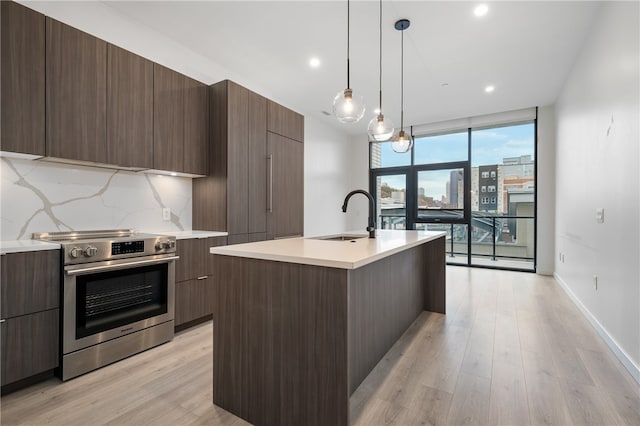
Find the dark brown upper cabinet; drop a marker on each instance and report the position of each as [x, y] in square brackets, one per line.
[181, 125]
[233, 197]
[196, 127]
[76, 104]
[285, 122]
[129, 109]
[285, 216]
[22, 76]
[168, 119]
[257, 165]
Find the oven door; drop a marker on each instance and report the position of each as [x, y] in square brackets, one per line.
[106, 300]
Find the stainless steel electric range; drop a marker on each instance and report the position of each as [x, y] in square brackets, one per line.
[117, 295]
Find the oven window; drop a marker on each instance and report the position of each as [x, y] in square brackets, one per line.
[112, 299]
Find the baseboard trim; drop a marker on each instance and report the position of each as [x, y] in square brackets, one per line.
[628, 363]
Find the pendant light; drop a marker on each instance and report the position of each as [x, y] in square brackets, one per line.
[380, 129]
[402, 142]
[348, 106]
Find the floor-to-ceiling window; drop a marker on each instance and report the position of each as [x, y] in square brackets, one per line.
[477, 184]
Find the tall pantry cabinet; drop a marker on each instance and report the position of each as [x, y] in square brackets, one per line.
[255, 188]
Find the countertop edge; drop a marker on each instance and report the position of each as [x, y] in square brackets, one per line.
[20, 246]
[229, 251]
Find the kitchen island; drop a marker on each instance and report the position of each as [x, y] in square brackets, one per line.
[299, 323]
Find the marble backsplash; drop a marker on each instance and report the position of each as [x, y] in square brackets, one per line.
[39, 196]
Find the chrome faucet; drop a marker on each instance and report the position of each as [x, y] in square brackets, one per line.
[372, 224]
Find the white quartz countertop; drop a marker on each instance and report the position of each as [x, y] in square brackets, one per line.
[18, 246]
[333, 254]
[189, 235]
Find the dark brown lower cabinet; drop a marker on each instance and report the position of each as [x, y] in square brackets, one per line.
[194, 299]
[194, 287]
[29, 345]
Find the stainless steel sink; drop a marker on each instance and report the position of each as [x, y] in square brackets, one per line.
[341, 237]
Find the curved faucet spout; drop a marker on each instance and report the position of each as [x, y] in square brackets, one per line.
[372, 225]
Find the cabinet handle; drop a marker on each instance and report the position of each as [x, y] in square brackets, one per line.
[270, 158]
[204, 277]
[2, 320]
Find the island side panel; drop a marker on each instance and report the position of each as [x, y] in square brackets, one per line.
[280, 342]
[385, 298]
[435, 294]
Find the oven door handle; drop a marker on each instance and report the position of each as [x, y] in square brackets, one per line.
[116, 266]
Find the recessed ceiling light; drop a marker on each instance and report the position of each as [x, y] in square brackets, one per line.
[489, 89]
[314, 62]
[481, 10]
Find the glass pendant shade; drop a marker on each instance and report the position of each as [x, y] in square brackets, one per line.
[380, 129]
[402, 143]
[348, 107]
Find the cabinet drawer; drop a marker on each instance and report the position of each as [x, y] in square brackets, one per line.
[29, 345]
[194, 299]
[30, 282]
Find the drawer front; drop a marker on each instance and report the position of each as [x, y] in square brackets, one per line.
[194, 299]
[29, 345]
[30, 282]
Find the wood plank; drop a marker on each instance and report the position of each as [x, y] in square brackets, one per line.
[508, 404]
[470, 402]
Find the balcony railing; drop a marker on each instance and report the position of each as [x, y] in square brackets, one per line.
[493, 237]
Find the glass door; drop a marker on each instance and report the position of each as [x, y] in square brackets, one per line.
[442, 204]
[390, 192]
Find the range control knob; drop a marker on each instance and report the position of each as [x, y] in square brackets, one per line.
[75, 252]
[90, 251]
[163, 245]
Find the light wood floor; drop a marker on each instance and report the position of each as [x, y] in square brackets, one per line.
[512, 350]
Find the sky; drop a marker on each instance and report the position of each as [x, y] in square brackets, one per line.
[488, 146]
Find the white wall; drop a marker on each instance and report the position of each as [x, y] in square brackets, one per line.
[546, 190]
[597, 163]
[358, 179]
[326, 178]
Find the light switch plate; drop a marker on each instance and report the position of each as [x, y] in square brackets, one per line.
[600, 215]
[166, 214]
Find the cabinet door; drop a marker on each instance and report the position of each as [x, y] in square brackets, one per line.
[237, 151]
[30, 282]
[196, 127]
[257, 164]
[168, 119]
[29, 345]
[22, 77]
[191, 264]
[76, 69]
[285, 122]
[129, 109]
[286, 194]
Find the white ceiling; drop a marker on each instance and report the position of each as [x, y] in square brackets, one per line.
[525, 49]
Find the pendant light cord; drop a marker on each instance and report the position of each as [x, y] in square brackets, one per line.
[380, 85]
[348, 19]
[402, 80]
